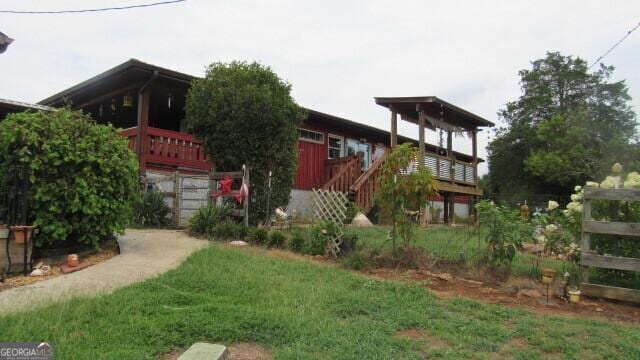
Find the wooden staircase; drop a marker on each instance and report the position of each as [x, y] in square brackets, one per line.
[346, 175]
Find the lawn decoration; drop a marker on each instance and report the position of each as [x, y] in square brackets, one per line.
[225, 182]
[548, 275]
[331, 206]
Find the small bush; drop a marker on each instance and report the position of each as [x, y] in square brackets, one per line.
[349, 244]
[321, 233]
[296, 241]
[276, 239]
[150, 209]
[206, 218]
[225, 230]
[356, 261]
[352, 211]
[259, 236]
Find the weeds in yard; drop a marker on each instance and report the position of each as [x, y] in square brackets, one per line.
[304, 311]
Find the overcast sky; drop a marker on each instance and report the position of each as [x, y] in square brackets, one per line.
[337, 55]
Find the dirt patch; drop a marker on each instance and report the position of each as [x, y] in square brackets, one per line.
[514, 293]
[249, 351]
[475, 283]
[20, 280]
[419, 335]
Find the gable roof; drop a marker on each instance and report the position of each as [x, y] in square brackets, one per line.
[129, 72]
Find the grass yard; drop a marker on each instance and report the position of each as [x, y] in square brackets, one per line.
[460, 243]
[303, 310]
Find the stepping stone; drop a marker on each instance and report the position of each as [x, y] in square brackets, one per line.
[205, 351]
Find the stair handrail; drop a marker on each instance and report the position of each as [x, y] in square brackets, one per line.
[353, 162]
[370, 171]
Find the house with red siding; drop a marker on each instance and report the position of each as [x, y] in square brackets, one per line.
[147, 103]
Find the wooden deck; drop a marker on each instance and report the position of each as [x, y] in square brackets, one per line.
[170, 149]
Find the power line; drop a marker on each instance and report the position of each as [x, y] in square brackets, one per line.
[615, 45]
[91, 10]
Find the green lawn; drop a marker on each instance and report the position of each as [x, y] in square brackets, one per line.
[459, 243]
[303, 311]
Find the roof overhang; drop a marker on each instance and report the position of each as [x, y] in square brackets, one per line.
[124, 76]
[433, 108]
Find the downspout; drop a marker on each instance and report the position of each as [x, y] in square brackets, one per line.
[142, 130]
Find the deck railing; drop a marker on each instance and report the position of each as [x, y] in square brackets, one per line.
[170, 148]
[441, 168]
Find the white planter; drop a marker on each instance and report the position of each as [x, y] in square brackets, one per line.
[4, 233]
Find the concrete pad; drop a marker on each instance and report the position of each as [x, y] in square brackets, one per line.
[143, 254]
[205, 351]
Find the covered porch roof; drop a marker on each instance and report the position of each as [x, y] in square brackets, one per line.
[433, 108]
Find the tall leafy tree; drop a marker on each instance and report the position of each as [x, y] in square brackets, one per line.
[568, 126]
[245, 114]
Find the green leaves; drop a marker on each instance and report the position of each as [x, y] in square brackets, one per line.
[82, 175]
[245, 114]
[399, 191]
[567, 127]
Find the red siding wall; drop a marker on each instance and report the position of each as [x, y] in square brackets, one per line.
[311, 157]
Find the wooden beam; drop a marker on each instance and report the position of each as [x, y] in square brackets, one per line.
[614, 228]
[469, 190]
[474, 160]
[394, 127]
[610, 262]
[112, 94]
[143, 123]
[610, 292]
[421, 138]
[611, 194]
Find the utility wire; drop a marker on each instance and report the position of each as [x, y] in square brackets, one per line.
[615, 45]
[91, 10]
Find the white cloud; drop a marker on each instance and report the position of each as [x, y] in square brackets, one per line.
[337, 54]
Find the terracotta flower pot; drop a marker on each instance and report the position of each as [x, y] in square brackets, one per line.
[72, 260]
[22, 232]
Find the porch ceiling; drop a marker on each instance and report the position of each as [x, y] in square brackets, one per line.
[432, 106]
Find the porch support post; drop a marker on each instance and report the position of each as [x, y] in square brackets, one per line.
[394, 126]
[144, 96]
[474, 146]
[143, 124]
[421, 137]
[450, 155]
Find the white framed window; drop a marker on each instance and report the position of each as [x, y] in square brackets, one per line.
[336, 146]
[311, 136]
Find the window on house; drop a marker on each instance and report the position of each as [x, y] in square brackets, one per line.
[336, 148]
[310, 135]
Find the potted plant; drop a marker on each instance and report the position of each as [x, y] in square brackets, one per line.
[22, 232]
[4, 232]
[574, 296]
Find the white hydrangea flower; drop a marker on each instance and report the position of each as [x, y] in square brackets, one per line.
[574, 206]
[551, 228]
[552, 205]
[611, 182]
[592, 184]
[616, 168]
[577, 188]
[633, 180]
[576, 197]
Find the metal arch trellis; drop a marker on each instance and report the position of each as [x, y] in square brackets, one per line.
[331, 206]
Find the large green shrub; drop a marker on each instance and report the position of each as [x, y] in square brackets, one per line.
[245, 114]
[82, 175]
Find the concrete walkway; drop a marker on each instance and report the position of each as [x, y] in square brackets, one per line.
[143, 254]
